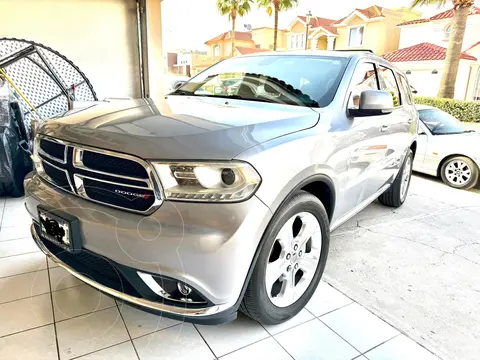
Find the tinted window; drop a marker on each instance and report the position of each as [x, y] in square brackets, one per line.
[439, 122]
[364, 78]
[388, 83]
[294, 80]
[406, 90]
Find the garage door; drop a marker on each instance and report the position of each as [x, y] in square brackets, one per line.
[99, 36]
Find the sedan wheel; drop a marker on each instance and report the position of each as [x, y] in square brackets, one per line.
[460, 172]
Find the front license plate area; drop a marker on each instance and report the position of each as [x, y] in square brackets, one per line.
[60, 228]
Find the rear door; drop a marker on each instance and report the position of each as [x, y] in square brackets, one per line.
[401, 121]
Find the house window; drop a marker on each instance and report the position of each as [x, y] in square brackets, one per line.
[216, 50]
[447, 31]
[355, 36]
[297, 41]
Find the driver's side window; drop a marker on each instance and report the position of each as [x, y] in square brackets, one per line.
[364, 78]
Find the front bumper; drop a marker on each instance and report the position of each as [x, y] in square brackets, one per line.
[210, 247]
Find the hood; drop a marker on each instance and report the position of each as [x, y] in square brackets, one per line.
[181, 127]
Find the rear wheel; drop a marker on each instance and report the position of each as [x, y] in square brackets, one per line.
[396, 195]
[291, 261]
[459, 172]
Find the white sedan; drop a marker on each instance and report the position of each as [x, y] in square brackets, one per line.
[446, 149]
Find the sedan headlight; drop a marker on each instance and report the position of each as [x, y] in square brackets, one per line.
[213, 182]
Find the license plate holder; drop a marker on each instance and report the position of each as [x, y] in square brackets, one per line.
[60, 228]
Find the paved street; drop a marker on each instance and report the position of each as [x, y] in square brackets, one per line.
[417, 267]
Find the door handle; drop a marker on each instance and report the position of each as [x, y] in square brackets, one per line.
[384, 128]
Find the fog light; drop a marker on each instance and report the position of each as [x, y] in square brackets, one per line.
[184, 289]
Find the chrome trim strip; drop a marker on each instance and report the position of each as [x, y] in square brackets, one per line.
[49, 179]
[112, 182]
[179, 311]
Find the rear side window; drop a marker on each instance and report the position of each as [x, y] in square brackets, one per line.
[388, 83]
[364, 78]
[408, 98]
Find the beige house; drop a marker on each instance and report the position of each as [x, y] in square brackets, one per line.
[373, 28]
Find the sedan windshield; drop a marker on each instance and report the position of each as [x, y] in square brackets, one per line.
[293, 80]
[440, 123]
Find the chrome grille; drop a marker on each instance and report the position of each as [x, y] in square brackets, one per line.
[113, 179]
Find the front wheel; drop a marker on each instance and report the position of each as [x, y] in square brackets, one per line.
[459, 172]
[396, 195]
[291, 262]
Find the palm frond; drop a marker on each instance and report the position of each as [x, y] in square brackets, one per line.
[439, 3]
[287, 4]
[243, 7]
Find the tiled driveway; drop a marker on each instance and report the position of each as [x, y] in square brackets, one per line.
[45, 314]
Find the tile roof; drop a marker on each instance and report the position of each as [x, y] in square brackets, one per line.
[316, 22]
[370, 12]
[422, 52]
[471, 47]
[244, 50]
[443, 15]
[239, 35]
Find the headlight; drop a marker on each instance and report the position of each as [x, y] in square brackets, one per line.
[214, 182]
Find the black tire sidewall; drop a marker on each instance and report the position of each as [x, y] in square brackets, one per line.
[473, 167]
[301, 202]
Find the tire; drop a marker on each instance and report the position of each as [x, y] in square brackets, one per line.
[267, 308]
[447, 172]
[396, 195]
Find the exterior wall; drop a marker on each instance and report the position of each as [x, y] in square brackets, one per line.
[427, 84]
[473, 90]
[226, 47]
[99, 36]
[264, 38]
[434, 32]
[322, 43]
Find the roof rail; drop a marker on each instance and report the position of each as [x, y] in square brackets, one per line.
[357, 50]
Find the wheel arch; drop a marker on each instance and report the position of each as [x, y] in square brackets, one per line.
[413, 147]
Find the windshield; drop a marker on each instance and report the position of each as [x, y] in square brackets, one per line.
[294, 80]
[440, 123]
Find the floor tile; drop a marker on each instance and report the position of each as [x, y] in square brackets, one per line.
[25, 314]
[16, 210]
[16, 218]
[178, 342]
[301, 317]
[85, 334]
[265, 349]
[35, 344]
[19, 201]
[400, 348]
[140, 323]
[62, 279]
[359, 326]
[326, 299]
[14, 232]
[123, 351]
[314, 340]
[51, 264]
[17, 247]
[229, 337]
[21, 264]
[79, 300]
[23, 286]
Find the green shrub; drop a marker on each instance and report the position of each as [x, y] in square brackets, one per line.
[468, 111]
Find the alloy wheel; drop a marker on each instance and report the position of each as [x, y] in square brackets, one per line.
[293, 259]
[458, 172]
[406, 175]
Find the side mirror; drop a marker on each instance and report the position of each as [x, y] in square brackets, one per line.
[373, 103]
[421, 132]
[178, 85]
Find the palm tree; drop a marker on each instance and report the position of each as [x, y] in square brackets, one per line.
[233, 8]
[461, 10]
[275, 6]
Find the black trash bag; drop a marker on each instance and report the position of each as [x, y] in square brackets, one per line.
[15, 162]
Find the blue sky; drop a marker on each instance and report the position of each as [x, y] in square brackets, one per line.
[187, 24]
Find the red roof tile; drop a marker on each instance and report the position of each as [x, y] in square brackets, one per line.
[372, 11]
[443, 15]
[244, 50]
[316, 22]
[421, 52]
[239, 35]
[471, 47]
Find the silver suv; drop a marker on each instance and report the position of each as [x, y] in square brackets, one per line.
[214, 201]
